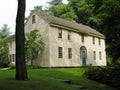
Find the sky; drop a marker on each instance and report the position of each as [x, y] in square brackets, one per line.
[8, 11]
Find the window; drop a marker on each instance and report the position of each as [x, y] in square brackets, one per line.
[99, 41]
[100, 55]
[93, 40]
[94, 55]
[69, 35]
[10, 56]
[70, 53]
[82, 37]
[33, 19]
[13, 57]
[59, 33]
[60, 52]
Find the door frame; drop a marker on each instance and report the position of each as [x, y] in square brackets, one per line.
[83, 54]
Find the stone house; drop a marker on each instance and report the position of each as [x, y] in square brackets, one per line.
[67, 43]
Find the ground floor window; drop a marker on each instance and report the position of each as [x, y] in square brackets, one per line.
[70, 53]
[12, 58]
[94, 55]
[100, 55]
[60, 52]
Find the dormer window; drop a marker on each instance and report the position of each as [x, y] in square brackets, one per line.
[59, 33]
[33, 19]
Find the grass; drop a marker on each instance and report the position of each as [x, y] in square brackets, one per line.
[46, 79]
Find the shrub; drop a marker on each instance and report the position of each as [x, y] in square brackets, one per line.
[4, 61]
[108, 75]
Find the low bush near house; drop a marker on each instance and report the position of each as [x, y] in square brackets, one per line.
[107, 75]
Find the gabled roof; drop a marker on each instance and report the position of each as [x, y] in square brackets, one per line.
[69, 24]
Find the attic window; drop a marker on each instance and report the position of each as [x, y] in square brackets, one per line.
[33, 19]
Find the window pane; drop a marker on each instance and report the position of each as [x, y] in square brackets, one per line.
[69, 35]
[59, 33]
[99, 41]
[69, 53]
[94, 55]
[60, 52]
[100, 55]
[33, 19]
[93, 40]
[82, 37]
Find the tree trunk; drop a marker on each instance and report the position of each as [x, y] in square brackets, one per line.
[21, 71]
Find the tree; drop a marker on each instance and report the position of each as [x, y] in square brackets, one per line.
[21, 71]
[34, 45]
[4, 61]
[55, 2]
[110, 21]
[59, 9]
[4, 31]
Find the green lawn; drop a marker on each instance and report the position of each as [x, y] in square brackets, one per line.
[46, 79]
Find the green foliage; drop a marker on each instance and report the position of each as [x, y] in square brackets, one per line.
[110, 21]
[109, 75]
[58, 9]
[4, 61]
[4, 31]
[55, 2]
[34, 45]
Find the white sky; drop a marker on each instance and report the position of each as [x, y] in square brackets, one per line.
[8, 10]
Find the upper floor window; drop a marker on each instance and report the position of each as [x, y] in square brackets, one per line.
[69, 35]
[99, 41]
[33, 19]
[82, 38]
[70, 53]
[60, 52]
[93, 39]
[59, 33]
[94, 55]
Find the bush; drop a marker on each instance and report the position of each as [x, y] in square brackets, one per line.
[4, 61]
[108, 75]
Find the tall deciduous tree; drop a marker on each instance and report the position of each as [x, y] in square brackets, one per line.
[21, 71]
